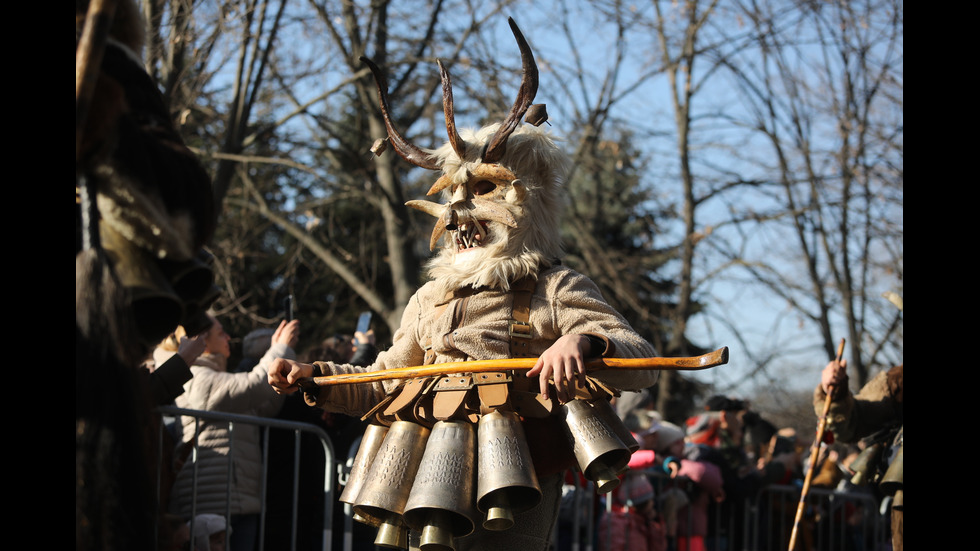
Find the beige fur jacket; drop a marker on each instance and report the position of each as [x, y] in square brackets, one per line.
[475, 326]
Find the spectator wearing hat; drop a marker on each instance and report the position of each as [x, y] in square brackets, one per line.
[702, 482]
[694, 485]
[642, 425]
[657, 434]
[632, 523]
[717, 436]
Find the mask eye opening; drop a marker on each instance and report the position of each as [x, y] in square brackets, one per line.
[483, 187]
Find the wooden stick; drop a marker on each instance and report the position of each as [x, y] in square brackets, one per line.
[814, 452]
[692, 363]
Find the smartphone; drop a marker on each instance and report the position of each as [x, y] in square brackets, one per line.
[289, 304]
[783, 445]
[364, 322]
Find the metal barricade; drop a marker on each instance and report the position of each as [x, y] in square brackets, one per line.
[266, 425]
[833, 521]
[576, 524]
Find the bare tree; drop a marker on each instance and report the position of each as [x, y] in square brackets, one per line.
[822, 89]
[844, 200]
[783, 128]
[683, 48]
[287, 151]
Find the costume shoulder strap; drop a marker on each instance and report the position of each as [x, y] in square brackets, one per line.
[520, 325]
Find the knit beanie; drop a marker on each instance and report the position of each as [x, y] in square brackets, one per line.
[205, 525]
[257, 342]
[634, 490]
[667, 434]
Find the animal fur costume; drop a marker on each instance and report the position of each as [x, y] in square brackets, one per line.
[472, 275]
[144, 211]
[499, 226]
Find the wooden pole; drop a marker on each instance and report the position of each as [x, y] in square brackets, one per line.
[814, 452]
[693, 363]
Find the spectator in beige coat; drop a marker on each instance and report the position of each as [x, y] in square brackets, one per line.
[214, 388]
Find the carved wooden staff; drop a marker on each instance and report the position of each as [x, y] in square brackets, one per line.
[682, 363]
[814, 452]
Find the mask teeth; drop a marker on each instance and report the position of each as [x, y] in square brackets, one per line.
[465, 238]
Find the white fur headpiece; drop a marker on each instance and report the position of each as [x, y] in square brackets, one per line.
[502, 187]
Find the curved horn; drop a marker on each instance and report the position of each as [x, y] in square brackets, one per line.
[459, 146]
[428, 207]
[441, 212]
[405, 149]
[525, 95]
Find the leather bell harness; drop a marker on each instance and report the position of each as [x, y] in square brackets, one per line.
[431, 399]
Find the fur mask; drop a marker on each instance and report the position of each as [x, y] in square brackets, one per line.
[501, 186]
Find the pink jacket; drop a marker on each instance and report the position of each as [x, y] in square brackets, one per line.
[707, 477]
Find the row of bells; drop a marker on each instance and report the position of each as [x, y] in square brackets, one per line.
[441, 481]
[866, 468]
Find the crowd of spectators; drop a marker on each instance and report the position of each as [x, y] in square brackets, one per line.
[689, 487]
[712, 476]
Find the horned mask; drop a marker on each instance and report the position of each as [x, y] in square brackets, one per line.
[501, 187]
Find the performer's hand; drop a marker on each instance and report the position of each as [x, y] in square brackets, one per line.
[834, 374]
[562, 362]
[284, 373]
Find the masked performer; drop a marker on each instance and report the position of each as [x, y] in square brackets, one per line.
[875, 417]
[496, 290]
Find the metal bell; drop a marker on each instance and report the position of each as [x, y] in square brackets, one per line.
[891, 482]
[440, 505]
[381, 500]
[600, 453]
[392, 533]
[367, 451]
[157, 309]
[608, 414]
[506, 481]
[865, 465]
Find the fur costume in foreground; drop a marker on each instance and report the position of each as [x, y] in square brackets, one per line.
[144, 211]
